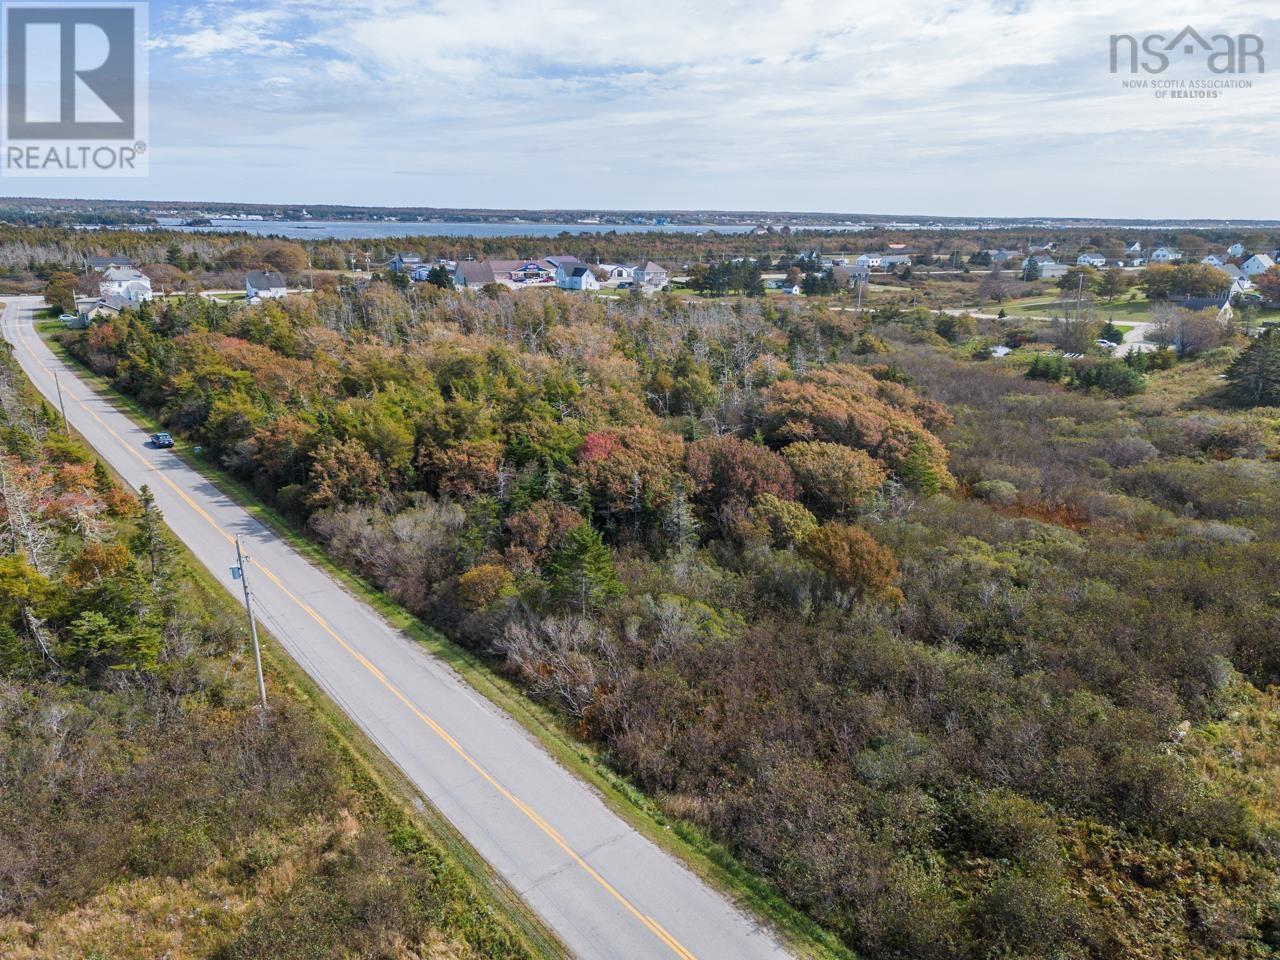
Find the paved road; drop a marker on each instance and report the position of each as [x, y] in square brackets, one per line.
[606, 891]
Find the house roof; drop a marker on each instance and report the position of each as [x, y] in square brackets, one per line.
[476, 271]
[264, 279]
[101, 263]
[558, 260]
[1263, 259]
[651, 267]
[408, 257]
[124, 275]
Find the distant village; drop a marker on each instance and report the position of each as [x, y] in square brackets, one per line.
[122, 284]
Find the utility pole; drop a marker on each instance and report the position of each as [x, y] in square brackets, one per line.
[238, 572]
[61, 405]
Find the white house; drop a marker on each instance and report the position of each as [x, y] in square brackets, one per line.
[618, 272]
[651, 275]
[264, 285]
[892, 261]
[1212, 260]
[576, 276]
[869, 260]
[1165, 255]
[1235, 250]
[1001, 256]
[1134, 249]
[1256, 265]
[126, 283]
[1091, 260]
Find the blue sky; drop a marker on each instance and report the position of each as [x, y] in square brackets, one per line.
[951, 107]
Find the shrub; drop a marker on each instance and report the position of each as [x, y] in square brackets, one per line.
[1114, 377]
[835, 477]
[480, 586]
[1000, 492]
[853, 560]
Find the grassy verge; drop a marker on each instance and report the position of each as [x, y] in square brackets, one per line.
[709, 859]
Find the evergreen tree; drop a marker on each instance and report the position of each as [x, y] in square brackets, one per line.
[581, 573]
[1254, 376]
[438, 276]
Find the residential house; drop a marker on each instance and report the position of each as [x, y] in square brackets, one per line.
[870, 261]
[99, 310]
[1091, 260]
[100, 264]
[576, 276]
[850, 276]
[404, 263]
[1213, 260]
[618, 272]
[1133, 250]
[1232, 271]
[1003, 256]
[1165, 255]
[1235, 250]
[651, 276]
[893, 261]
[473, 274]
[1050, 269]
[264, 285]
[129, 284]
[1256, 265]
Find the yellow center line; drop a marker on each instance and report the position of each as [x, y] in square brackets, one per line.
[649, 923]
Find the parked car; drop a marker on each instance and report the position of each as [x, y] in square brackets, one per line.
[161, 441]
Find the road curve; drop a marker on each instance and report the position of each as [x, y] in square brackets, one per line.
[604, 889]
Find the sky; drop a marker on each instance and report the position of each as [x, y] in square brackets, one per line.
[944, 107]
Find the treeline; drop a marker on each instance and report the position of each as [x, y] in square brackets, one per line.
[146, 807]
[955, 657]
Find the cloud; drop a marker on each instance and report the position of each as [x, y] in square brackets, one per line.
[745, 104]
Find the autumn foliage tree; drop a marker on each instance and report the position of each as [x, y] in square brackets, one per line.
[853, 560]
[728, 474]
[60, 292]
[835, 478]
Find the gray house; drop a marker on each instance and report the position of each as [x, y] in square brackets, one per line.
[473, 274]
[264, 285]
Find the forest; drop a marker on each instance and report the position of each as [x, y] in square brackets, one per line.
[967, 663]
[149, 808]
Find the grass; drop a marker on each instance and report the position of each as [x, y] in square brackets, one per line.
[710, 860]
[1136, 310]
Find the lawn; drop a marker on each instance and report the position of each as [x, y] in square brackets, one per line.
[1138, 310]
